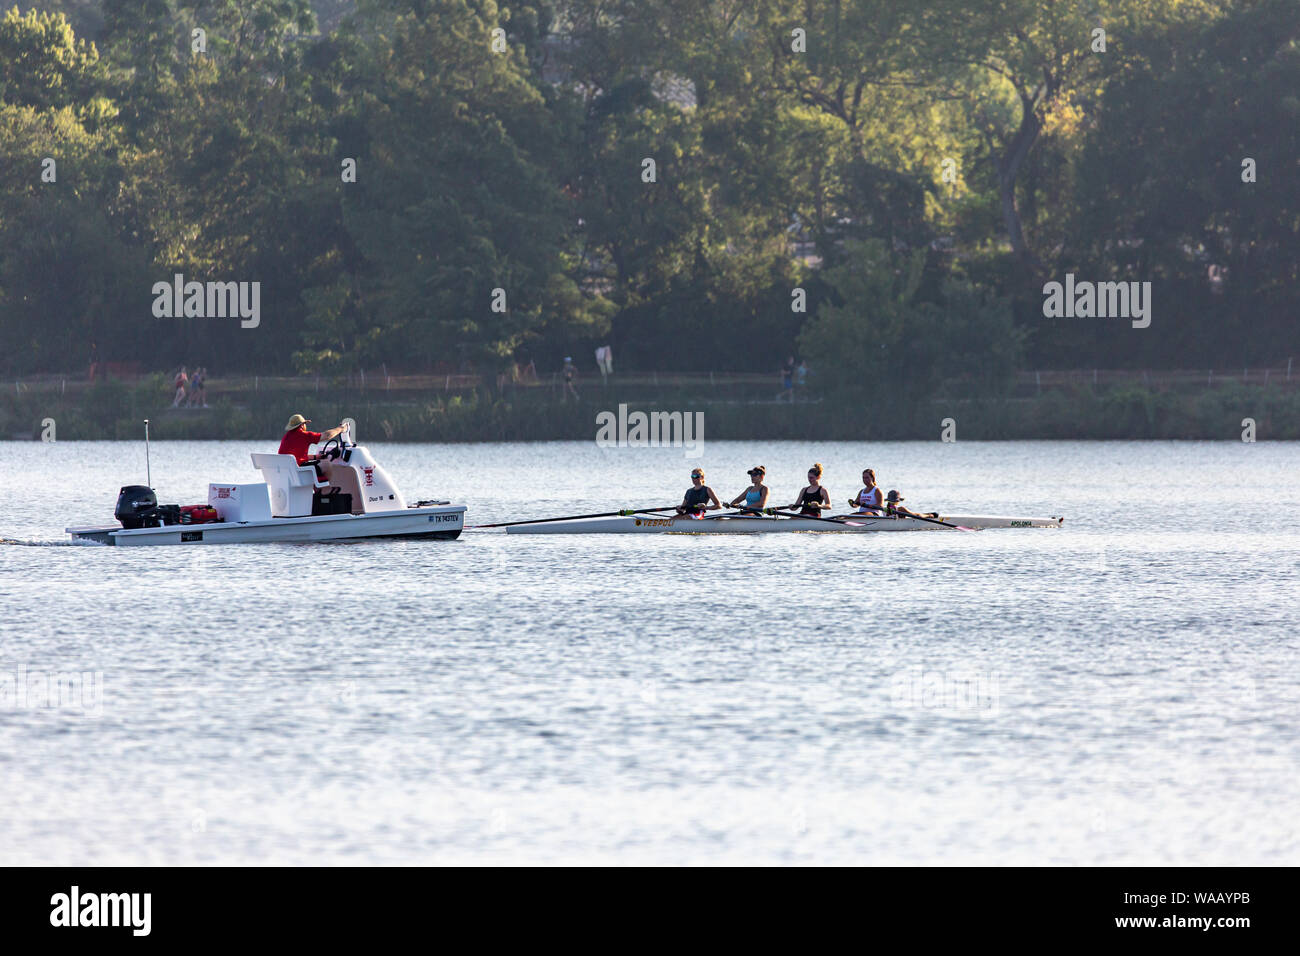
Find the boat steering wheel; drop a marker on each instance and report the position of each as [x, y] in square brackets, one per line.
[326, 452]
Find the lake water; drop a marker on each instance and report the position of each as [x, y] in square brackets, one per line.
[1123, 690]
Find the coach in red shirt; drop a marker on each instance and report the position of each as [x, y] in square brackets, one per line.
[297, 440]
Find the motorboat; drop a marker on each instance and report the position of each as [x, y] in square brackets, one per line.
[345, 495]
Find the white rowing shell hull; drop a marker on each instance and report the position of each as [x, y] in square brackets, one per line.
[435, 522]
[647, 524]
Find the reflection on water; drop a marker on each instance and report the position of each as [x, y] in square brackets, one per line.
[1123, 690]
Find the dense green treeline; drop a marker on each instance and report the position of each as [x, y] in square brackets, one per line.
[881, 188]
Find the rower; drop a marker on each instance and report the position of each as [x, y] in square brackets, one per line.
[755, 496]
[896, 510]
[814, 497]
[869, 500]
[699, 497]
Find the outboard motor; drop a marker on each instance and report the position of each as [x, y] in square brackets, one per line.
[135, 503]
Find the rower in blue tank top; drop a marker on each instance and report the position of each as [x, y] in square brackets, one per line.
[755, 495]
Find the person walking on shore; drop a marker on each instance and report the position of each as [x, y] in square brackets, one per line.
[198, 389]
[787, 380]
[181, 384]
[569, 371]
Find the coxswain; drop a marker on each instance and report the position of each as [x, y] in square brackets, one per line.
[896, 510]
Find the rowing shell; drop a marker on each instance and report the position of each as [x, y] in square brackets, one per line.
[750, 524]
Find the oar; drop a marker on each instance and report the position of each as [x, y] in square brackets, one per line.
[795, 514]
[733, 511]
[603, 514]
[955, 527]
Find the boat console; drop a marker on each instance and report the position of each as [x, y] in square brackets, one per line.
[349, 468]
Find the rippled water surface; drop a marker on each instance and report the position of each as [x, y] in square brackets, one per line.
[1123, 690]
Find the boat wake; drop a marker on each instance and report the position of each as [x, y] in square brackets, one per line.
[51, 544]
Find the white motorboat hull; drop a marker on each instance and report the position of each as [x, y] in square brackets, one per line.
[657, 524]
[445, 521]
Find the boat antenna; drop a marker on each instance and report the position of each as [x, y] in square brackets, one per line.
[148, 472]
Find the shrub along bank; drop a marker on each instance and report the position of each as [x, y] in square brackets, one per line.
[114, 410]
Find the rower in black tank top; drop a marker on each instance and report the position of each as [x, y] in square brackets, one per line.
[812, 495]
[809, 501]
[697, 498]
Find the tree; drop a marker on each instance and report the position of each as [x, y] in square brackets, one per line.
[1163, 196]
[43, 65]
[877, 345]
[455, 197]
[64, 272]
[866, 66]
[1045, 63]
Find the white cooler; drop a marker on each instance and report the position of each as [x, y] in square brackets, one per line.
[240, 502]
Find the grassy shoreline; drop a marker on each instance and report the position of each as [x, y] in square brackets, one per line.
[114, 410]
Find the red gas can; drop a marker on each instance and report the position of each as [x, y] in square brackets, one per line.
[198, 514]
